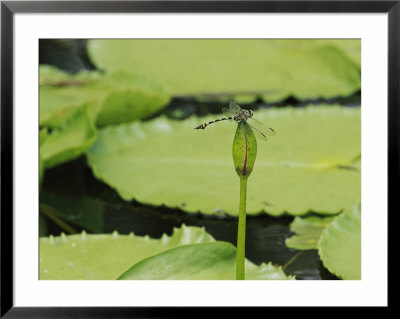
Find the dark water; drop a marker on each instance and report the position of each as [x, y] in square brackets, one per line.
[65, 54]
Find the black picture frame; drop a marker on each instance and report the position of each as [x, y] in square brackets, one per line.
[9, 8]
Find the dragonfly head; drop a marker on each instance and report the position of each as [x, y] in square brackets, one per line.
[247, 114]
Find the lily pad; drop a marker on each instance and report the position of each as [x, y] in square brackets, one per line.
[340, 245]
[68, 141]
[216, 68]
[306, 167]
[350, 47]
[307, 232]
[61, 94]
[42, 135]
[106, 256]
[110, 98]
[205, 261]
[50, 75]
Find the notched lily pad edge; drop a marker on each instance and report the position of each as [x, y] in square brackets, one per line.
[115, 234]
[216, 215]
[191, 122]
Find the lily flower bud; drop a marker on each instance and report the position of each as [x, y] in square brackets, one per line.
[244, 149]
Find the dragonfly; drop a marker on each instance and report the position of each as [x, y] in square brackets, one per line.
[237, 114]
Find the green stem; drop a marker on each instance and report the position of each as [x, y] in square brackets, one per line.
[241, 237]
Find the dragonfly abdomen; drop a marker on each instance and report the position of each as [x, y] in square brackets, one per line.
[204, 125]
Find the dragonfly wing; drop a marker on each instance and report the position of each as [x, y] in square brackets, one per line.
[227, 112]
[233, 107]
[260, 135]
[265, 129]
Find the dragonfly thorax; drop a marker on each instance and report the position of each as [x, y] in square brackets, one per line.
[243, 115]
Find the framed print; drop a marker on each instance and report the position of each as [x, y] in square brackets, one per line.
[164, 155]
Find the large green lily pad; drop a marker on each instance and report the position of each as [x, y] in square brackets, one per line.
[68, 141]
[106, 256]
[110, 98]
[307, 232]
[204, 261]
[306, 167]
[216, 68]
[340, 245]
[350, 47]
[61, 94]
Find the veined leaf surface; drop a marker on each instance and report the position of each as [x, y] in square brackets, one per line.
[111, 98]
[307, 166]
[340, 245]
[350, 47]
[216, 68]
[204, 261]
